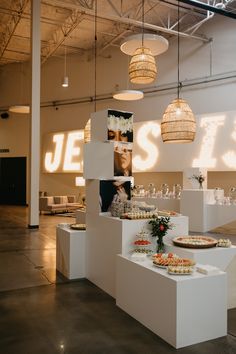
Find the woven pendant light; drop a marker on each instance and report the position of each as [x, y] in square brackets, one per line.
[178, 122]
[142, 67]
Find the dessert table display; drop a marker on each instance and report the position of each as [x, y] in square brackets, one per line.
[181, 309]
[173, 300]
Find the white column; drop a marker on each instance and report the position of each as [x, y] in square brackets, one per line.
[34, 153]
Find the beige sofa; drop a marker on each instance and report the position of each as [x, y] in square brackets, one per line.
[58, 204]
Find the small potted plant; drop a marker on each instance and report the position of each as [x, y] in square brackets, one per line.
[160, 226]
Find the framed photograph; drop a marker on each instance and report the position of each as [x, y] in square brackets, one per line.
[120, 126]
[113, 190]
[123, 159]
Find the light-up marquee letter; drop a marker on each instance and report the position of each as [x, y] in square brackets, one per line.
[229, 157]
[51, 165]
[211, 125]
[150, 149]
[72, 151]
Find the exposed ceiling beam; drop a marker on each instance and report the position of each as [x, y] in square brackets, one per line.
[18, 7]
[124, 20]
[60, 35]
[205, 6]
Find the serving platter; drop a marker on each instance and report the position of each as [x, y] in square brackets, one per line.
[195, 241]
[78, 226]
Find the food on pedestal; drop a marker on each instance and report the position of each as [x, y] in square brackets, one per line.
[195, 241]
[180, 270]
[78, 226]
[142, 243]
[139, 215]
[167, 213]
[170, 259]
[224, 242]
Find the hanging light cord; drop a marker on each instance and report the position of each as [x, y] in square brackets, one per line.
[95, 59]
[178, 52]
[65, 63]
[142, 22]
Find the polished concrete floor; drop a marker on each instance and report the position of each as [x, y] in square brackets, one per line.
[42, 313]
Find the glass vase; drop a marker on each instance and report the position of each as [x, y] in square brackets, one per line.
[160, 245]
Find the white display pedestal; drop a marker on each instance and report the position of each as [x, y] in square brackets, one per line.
[70, 252]
[108, 236]
[161, 203]
[218, 215]
[193, 203]
[204, 215]
[80, 216]
[183, 310]
[217, 256]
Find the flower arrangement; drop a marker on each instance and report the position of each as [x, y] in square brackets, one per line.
[160, 226]
[200, 178]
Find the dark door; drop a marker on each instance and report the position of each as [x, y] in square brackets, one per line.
[13, 180]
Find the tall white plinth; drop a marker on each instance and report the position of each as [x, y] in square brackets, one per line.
[108, 236]
[183, 310]
[193, 203]
[219, 215]
[70, 252]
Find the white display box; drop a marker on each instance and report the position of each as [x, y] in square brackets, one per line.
[70, 252]
[193, 203]
[220, 257]
[182, 310]
[99, 160]
[99, 124]
[108, 236]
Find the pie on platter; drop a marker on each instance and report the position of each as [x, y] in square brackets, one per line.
[195, 241]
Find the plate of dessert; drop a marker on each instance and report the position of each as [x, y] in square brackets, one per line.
[195, 241]
[224, 242]
[175, 262]
[78, 226]
[167, 213]
[180, 270]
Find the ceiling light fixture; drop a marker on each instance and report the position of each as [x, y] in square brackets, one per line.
[65, 80]
[128, 95]
[20, 108]
[178, 122]
[142, 67]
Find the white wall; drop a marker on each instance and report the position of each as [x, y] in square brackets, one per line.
[112, 70]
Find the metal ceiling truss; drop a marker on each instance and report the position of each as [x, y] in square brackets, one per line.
[60, 35]
[122, 21]
[125, 19]
[17, 8]
[215, 6]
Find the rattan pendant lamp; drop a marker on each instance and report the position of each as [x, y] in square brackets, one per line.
[142, 67]
[178, 122]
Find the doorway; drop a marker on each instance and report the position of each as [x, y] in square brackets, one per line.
[13, 180]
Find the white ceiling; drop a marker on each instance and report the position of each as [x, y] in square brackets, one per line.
[70, 23]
